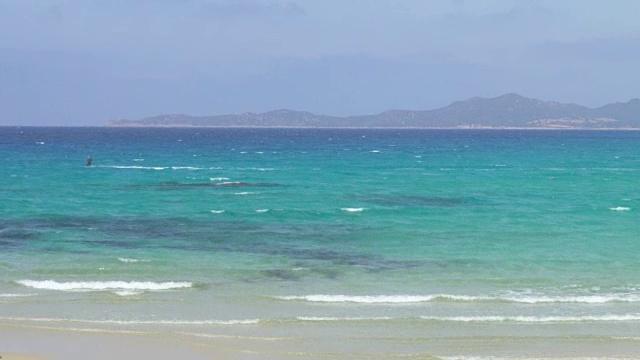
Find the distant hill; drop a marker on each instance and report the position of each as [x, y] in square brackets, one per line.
[506, 111]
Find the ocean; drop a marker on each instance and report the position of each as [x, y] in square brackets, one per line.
[317, 243]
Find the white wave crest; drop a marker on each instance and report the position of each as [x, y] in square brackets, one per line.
[353, 209]
[128, 292]
[141, 322]
[130, 260]
[217, 211]
[262, 210]
[317, 318]
[257, 169]
[218, 179]
[185, 168]
[535, 319]
[132, 167]
[379, 299]
[620, 208]
[585, 299]
[15, 295]
[407, 299]
[116, 286]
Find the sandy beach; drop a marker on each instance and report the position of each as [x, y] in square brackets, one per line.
[18, 343]
[26, 343]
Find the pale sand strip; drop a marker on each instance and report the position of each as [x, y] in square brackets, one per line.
[37, 343]
[6, 356]
[17, 343]
[40, 343]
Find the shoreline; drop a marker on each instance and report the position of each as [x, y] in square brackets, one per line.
[490, 128]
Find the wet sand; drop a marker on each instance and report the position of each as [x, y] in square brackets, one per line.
[30, 343]
[17, 343]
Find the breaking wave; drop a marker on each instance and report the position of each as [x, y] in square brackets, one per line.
[353, 209]
[118, 287]
[535, 319]
[405, 299]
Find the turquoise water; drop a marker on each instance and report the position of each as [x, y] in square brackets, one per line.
[408, 234]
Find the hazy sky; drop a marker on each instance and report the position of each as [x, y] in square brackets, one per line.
[81, 62]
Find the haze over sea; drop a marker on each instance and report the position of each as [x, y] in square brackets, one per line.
[315, 243]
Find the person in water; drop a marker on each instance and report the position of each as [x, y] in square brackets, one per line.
[89, 160]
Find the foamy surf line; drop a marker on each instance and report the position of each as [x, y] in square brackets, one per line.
[132, 167]
[332, 319]
[484, 319]
[384, 299]
[620, 208]
[535, 319]
[131, 260]
[353, 209]
[139, 322]
[408, 299]
[459, 319]
[138, 167]
[119, 287]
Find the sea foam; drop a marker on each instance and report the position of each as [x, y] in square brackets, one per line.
[257, 169]
[141, 322]
[353, 209]
[130, 260]
[535, 319]
[319, 318]
[132, 167]
[116, 286]
[366, 299]
[407, 299]
[185, 168]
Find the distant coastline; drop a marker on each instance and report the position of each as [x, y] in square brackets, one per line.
[509, 111]
[488, 128]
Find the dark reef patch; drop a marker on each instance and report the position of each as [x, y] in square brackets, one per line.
[14, 237]
[355, 259]
[280, 274]
[308, 242]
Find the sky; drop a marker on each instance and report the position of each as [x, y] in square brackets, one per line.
[83, 62]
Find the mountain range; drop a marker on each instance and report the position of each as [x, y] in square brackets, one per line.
[506, 111]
